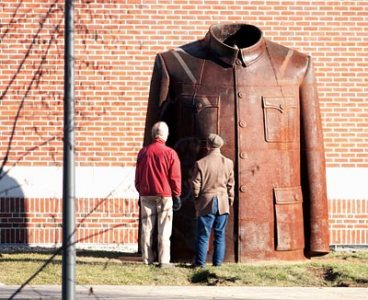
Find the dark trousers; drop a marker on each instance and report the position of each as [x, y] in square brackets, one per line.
[204, 226]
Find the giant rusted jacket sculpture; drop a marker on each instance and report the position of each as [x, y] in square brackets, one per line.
[261, 97]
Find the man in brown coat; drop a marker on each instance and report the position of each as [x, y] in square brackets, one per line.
[213, 189]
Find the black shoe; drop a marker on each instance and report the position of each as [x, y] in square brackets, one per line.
[165, 265]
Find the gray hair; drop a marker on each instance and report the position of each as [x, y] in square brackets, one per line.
[160, 130]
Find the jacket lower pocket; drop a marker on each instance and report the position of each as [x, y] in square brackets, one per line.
[289, 218]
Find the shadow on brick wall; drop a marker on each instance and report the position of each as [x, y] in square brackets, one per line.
[13, 212]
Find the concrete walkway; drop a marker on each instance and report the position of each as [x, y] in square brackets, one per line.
[188, 292]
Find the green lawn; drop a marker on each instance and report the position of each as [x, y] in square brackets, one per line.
[335, 269]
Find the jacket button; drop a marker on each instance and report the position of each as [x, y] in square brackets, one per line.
[240, 94]
[243, 188]
[243, 124]
[238, 62]
[243, 155]
[199, 105]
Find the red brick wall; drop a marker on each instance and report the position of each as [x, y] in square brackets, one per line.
[116, 42]
[98, 221]
[348, 222]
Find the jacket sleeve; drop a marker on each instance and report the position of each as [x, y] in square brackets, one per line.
[313, 166]
[158, 93]
[137, 174]
[175, 175]
[196, 181]
[230, 184]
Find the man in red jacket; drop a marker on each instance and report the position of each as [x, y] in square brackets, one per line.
[158, 182]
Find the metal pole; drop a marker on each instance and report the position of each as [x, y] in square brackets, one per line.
[69, 252]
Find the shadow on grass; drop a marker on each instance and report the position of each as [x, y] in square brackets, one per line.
[107, 254]
[338, 279]
[122, 256]
[211, 278]
[33, 260]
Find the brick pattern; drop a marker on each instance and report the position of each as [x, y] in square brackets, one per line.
[348, 220]
[116, 42]
[39, 221]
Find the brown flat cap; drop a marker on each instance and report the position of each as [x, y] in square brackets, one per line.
[215, 141]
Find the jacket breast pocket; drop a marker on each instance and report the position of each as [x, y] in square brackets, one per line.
[199, 114]
[289, 218]
[280, 119]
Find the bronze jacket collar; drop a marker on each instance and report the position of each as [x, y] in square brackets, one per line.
[217, 35]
